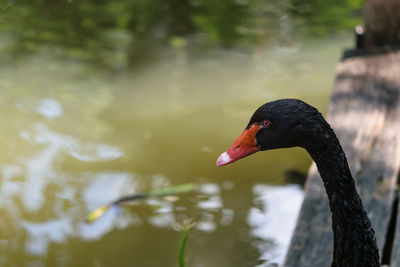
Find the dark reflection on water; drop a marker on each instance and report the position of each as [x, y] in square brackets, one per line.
[73, 139]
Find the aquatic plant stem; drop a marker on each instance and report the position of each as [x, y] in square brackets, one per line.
[182, 247]
[187, 225]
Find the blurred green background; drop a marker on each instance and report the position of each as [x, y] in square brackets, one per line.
[117, 33]
[100, 99]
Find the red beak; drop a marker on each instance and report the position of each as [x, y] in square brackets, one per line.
[244, 146]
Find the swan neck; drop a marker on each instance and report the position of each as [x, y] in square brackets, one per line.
[354, 238]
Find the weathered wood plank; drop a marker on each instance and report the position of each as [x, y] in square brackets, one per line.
[363, 110]
[377, 178]
[396, 245]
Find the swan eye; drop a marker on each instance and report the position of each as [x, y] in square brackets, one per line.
[266, 123]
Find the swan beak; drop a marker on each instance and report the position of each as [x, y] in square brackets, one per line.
[245, 145]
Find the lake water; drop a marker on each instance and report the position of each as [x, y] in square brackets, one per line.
[73, 138]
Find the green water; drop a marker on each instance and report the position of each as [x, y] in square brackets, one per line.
[73, 138]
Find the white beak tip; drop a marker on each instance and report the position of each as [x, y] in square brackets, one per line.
[223, 159]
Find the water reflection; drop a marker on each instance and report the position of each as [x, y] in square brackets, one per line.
[273, 219]
[50, 108]
[105, 188]
[41, 234]
[77, 139]
[90, 152]
[40, 174]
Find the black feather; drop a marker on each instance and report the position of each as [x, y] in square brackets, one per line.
[295, 123]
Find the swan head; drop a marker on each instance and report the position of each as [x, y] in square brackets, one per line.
[282, 123]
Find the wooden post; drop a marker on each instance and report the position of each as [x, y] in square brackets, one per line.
[382, 23]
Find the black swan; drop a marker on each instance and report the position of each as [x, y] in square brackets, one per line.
[291, 122]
